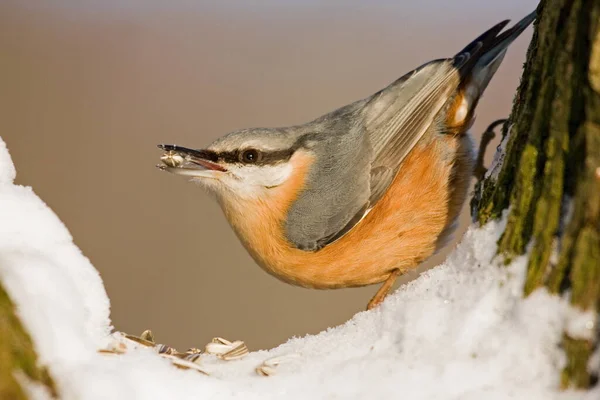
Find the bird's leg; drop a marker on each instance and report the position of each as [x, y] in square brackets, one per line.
[384, 289]
[486, 138]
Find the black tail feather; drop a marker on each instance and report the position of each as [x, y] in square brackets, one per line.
[490, 44]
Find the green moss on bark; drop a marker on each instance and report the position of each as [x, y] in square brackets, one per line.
[17, 354]
[551, 172]
[573, 374]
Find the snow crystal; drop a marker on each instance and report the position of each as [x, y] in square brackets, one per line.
[459, 331]
[581, 324]
[7, 169]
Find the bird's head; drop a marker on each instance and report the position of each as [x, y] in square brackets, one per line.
[245, 164]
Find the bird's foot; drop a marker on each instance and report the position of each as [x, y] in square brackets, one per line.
[384, 289]
[486, 138]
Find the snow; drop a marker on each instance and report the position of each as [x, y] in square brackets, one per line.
[594, 361]
[498, 160]
[8, 172]
[581, 324]
[460, 331]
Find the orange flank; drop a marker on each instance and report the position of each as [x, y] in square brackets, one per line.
[400, 232]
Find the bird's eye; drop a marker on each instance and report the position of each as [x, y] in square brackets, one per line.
[250, 156]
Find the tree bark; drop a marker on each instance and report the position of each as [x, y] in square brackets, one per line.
[17, 354]
[550, 176]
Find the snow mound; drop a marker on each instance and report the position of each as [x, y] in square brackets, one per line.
[460, 331]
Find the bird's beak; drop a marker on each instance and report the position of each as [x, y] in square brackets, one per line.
[188, 162]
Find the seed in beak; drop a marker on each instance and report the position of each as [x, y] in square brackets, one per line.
[172, 159]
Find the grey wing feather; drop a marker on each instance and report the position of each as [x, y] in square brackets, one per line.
[398, 117]
[337, 184]
[342, 189]
[381, 178]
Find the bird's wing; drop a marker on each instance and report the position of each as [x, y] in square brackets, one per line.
[393, 120]
[342, 189]
[397, 117]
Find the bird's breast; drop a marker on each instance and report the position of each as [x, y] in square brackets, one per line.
[399, 232]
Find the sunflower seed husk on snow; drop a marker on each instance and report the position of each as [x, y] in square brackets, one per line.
[184, 364]
[114, 348]
[226, 350]
[269, 366]
[164, 349]
[148, 336]
[140, 340]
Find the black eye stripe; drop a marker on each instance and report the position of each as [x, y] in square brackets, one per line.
[265, 158]
[207, 154]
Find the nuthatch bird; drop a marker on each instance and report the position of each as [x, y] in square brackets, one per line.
[362, 194]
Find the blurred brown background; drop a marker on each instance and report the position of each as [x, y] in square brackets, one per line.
[89, 88]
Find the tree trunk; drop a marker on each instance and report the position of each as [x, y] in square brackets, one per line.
[550, 175]
[17, 355]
